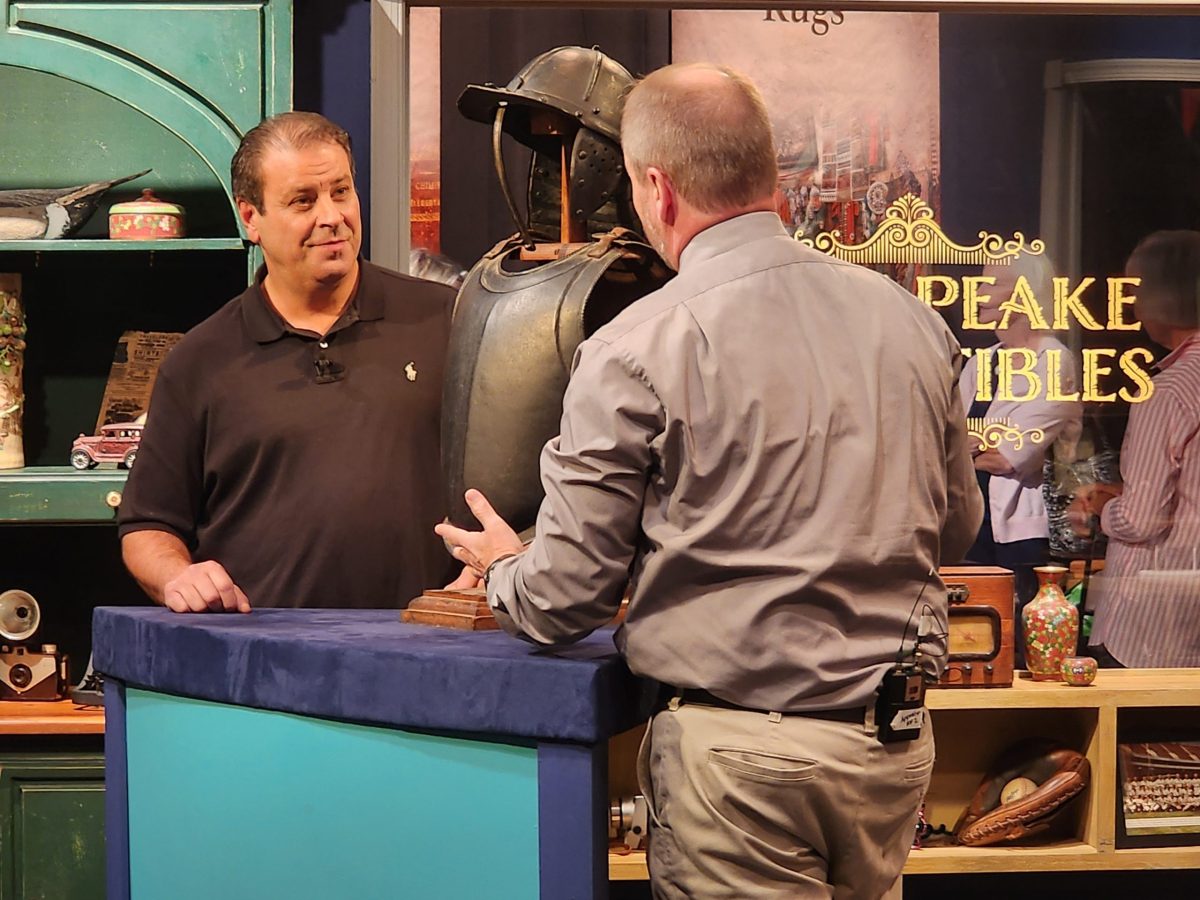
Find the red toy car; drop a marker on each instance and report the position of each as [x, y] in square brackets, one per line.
[117, 443]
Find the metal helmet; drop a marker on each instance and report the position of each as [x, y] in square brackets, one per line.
[579, 82]
[585, 90]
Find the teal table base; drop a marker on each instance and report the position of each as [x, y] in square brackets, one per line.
[211, 800]
[306, 753]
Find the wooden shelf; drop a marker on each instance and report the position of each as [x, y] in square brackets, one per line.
[627, 866]
[1058, 856]
[107, 246]
[46, 717]
[60, 494]
[978, 722]
[1063, 857]
[1112, 687]
[1157, 858]
[1067, 856]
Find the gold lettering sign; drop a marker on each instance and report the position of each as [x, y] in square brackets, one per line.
[910, 235]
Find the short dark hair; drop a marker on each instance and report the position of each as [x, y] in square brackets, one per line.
[1168, 262]
[294, 130]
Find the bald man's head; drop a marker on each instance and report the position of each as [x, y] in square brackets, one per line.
[706, 127]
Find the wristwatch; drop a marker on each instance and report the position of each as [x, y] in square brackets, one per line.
[487, 573]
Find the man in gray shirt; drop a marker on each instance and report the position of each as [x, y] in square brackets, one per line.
[770, 454]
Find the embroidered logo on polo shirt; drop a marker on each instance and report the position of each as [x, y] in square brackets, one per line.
[410, 371]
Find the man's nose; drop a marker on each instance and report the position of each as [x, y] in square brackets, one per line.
[328, 212]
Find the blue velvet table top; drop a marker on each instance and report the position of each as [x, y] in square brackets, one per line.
[368, 666]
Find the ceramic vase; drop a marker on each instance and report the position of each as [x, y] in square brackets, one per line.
[12, 363]
[1051, 626]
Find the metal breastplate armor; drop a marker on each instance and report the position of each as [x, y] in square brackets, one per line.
[512, 341]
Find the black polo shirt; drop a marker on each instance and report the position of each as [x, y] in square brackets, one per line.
[310, 473]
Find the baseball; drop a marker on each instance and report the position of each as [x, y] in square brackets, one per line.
[1016, 789]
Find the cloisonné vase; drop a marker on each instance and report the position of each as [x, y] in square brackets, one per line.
[1051, 626]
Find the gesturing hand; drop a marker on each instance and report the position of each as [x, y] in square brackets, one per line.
[1088, 503]
[204, 587]
[479, 549]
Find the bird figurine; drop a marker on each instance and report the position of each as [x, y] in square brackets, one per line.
[51, 212]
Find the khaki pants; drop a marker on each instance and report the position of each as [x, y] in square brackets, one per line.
[746, 805]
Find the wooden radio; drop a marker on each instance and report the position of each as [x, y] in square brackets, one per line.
[979, 627]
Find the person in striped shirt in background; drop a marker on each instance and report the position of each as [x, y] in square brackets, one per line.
[1148, 599]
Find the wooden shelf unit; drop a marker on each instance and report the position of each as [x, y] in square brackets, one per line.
[47, 717]
[1112, 688]
[990, 719]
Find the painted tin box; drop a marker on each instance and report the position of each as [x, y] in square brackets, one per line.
[145, 219]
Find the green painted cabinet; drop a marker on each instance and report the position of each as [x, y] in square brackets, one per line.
[95, 89]
[51, 826]
[192, 77]
[92, 90]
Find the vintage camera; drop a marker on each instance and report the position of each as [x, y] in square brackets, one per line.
[627, 820]
[27, 674]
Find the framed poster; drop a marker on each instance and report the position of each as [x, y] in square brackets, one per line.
[853, 99]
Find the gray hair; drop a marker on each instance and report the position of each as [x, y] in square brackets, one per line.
[1038, 270]
[289, 130]
[1168, 262]
[711, 136]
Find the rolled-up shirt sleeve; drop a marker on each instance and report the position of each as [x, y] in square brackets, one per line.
[1151, 459]
[572, 578]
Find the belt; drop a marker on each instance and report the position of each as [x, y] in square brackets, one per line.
[856, 714]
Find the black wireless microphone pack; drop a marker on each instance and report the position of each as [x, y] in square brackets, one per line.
[900, 709]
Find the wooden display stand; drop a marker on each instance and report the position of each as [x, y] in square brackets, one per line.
[974, 725]
[464, 610]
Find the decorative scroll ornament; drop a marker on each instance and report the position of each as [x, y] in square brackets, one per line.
[909, 234]
[991, 433]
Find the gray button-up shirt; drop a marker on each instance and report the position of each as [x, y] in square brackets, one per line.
[770, 453]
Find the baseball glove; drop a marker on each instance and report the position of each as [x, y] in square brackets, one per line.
[1055, 776]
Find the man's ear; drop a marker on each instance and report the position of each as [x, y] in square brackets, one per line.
[249, 216]
[662, 192]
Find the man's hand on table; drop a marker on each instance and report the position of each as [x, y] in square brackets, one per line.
[204, 587]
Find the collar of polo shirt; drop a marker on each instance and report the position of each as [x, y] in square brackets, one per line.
[265, 325]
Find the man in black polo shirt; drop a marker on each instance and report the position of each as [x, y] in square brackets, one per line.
[291, 453]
